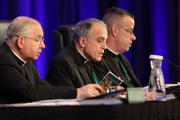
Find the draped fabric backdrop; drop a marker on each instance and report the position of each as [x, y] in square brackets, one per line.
[156, 28]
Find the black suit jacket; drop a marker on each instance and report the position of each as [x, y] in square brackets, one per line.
[111, 64]
[20, 85]
[69, 68]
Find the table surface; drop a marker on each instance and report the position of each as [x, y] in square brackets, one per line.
[168, 110]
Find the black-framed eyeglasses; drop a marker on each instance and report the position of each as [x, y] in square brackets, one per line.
[38, 40]
[128, 30]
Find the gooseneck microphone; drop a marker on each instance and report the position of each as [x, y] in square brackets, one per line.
[173, 89]
[175, 65]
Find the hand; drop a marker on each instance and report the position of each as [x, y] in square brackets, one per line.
[115, 88]
[118, 88]
[90, 90]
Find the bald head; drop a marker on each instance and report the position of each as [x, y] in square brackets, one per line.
[19, 26]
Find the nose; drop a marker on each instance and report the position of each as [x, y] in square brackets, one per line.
[42, 45]
[104, 46]
[133, 37]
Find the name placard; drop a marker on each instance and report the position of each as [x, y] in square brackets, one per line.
[135, 95]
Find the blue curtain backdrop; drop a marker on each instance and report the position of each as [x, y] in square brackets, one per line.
[156, 27]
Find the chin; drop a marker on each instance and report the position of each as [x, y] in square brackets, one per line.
[127, 50]
[35, 58]
[98, 59]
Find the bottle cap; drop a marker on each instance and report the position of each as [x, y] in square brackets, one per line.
[157, 57]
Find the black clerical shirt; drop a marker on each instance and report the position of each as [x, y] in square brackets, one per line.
[119, 65]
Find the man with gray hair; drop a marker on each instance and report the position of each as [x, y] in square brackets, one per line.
[20, 81]
[72, 66]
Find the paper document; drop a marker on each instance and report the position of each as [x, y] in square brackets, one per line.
[109, 80]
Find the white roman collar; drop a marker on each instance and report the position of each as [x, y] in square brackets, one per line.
[112, 51]
[24, 62]
[83, 56]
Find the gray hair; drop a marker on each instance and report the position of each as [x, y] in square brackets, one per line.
[19, 26]
[83, 28]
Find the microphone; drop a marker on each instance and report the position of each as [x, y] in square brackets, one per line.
[175, 65]
[173, 89]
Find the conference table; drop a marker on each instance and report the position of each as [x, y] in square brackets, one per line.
[152, 110]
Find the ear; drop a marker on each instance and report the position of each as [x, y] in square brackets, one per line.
[82, 41]
[20, 42]
[114, 30]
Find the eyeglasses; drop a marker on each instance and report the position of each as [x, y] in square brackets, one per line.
[128, 30]
[38, 40]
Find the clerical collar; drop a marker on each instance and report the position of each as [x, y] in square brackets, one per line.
[86, 60]
[112, 51]
[24, 62]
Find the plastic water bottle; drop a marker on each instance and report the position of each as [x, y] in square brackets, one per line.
[156, 81]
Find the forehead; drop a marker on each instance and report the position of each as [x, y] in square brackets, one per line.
[36, 30]
[98, 29]
[128, 20]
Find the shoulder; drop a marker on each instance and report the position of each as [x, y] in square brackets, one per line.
[8, 61]
[125, 60]
[65, 58]
[65, 54]
[123, 57]
[6, 55]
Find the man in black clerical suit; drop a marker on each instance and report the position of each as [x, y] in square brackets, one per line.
[73, 65]
[120, 37]
[20, 81]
